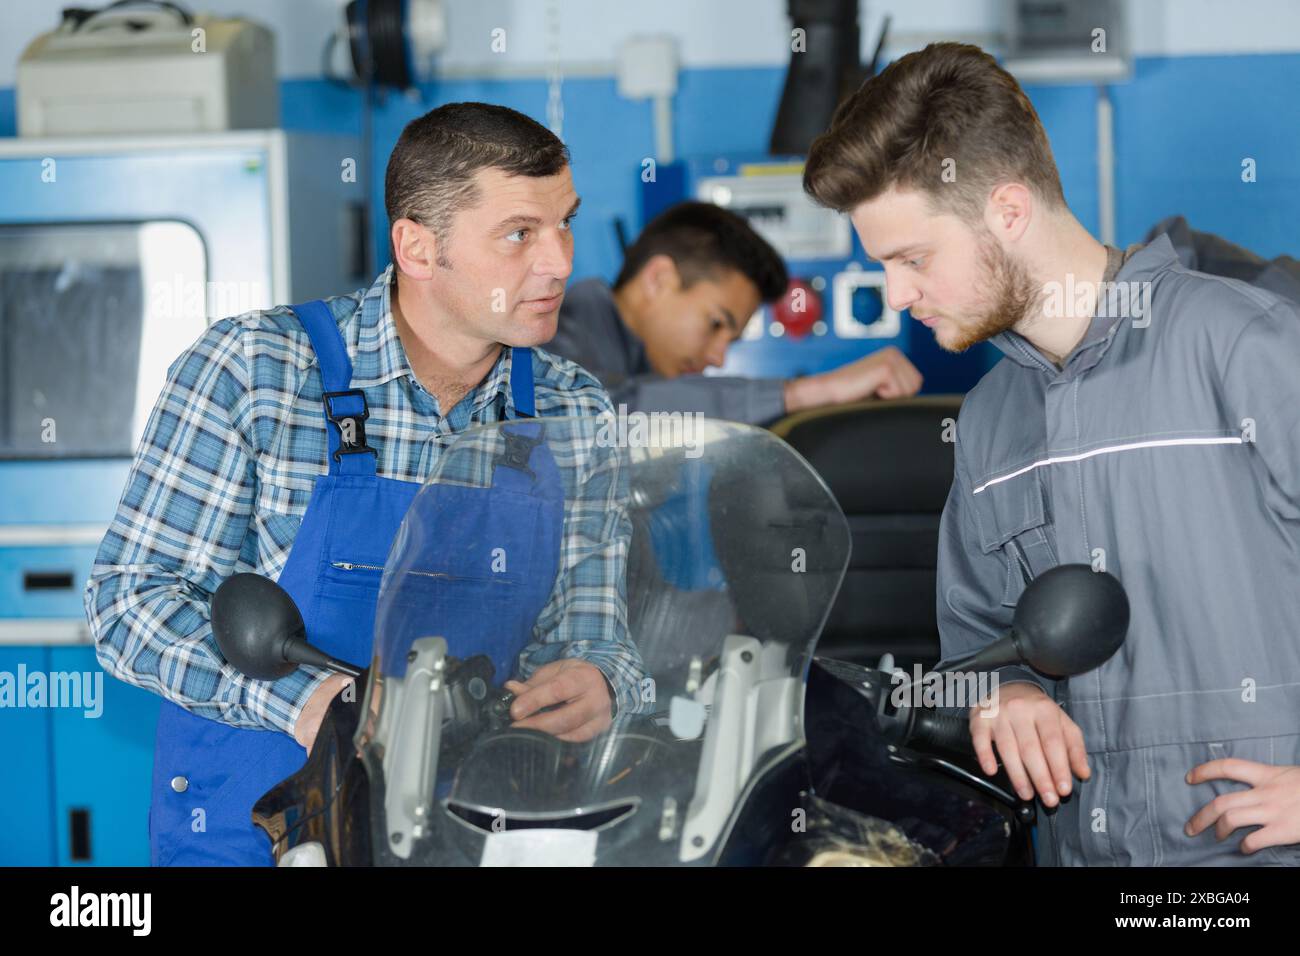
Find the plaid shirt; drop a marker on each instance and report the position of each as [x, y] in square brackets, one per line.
[224, 474]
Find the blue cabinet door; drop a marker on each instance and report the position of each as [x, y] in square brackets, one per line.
[26, 766]
[103, 762]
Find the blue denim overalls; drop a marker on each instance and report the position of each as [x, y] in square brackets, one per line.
[333, 574]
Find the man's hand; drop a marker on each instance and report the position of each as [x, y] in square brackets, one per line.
[1036, 740]
[1271, 802]
[883, 374]
[313, 712]
[580, 689]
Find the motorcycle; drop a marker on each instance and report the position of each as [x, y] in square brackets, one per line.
[744, 747]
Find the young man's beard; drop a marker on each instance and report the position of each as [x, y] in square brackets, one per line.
[1010, 290]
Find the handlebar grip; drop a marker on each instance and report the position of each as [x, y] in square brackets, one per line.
[945, 731]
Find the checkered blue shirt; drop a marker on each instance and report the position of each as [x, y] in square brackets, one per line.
[226, 468]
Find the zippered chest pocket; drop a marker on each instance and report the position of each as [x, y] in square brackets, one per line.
[1015, 522]
[364, 575]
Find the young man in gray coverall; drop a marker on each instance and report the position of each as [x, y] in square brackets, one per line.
[688, 285]
[1148, 427]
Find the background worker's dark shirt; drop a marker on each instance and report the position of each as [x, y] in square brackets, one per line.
[592, 334]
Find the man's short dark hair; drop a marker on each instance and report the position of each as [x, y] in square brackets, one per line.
[703, 240]
[430, 176]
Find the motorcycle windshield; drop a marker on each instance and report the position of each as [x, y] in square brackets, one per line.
[672, 569]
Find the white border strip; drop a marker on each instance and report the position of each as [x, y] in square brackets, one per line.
[47, 535]
[1058, 459]
[44, 630]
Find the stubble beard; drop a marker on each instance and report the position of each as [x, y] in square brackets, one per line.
[1007, 285]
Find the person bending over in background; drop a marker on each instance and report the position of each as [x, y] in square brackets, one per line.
[689, 284]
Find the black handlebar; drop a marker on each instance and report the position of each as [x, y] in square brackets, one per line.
[944, 731]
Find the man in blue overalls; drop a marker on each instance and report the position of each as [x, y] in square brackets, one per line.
[291, 442]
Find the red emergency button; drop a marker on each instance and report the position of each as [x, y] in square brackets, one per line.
[799, 309]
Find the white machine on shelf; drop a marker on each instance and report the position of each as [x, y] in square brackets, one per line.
[151, 70]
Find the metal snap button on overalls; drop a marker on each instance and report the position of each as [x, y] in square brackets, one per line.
[180, 784]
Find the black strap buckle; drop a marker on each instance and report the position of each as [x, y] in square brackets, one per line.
[519, 449]
[352, 427]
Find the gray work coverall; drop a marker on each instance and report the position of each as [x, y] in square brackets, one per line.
[1167, 449]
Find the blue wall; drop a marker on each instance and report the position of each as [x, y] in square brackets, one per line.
[608, 136]
[8, 113]
[1183, 125]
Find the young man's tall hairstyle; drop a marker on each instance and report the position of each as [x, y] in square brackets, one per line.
[948, 108]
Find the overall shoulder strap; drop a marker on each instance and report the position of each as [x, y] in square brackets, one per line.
[345, 408]
[521, 381]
